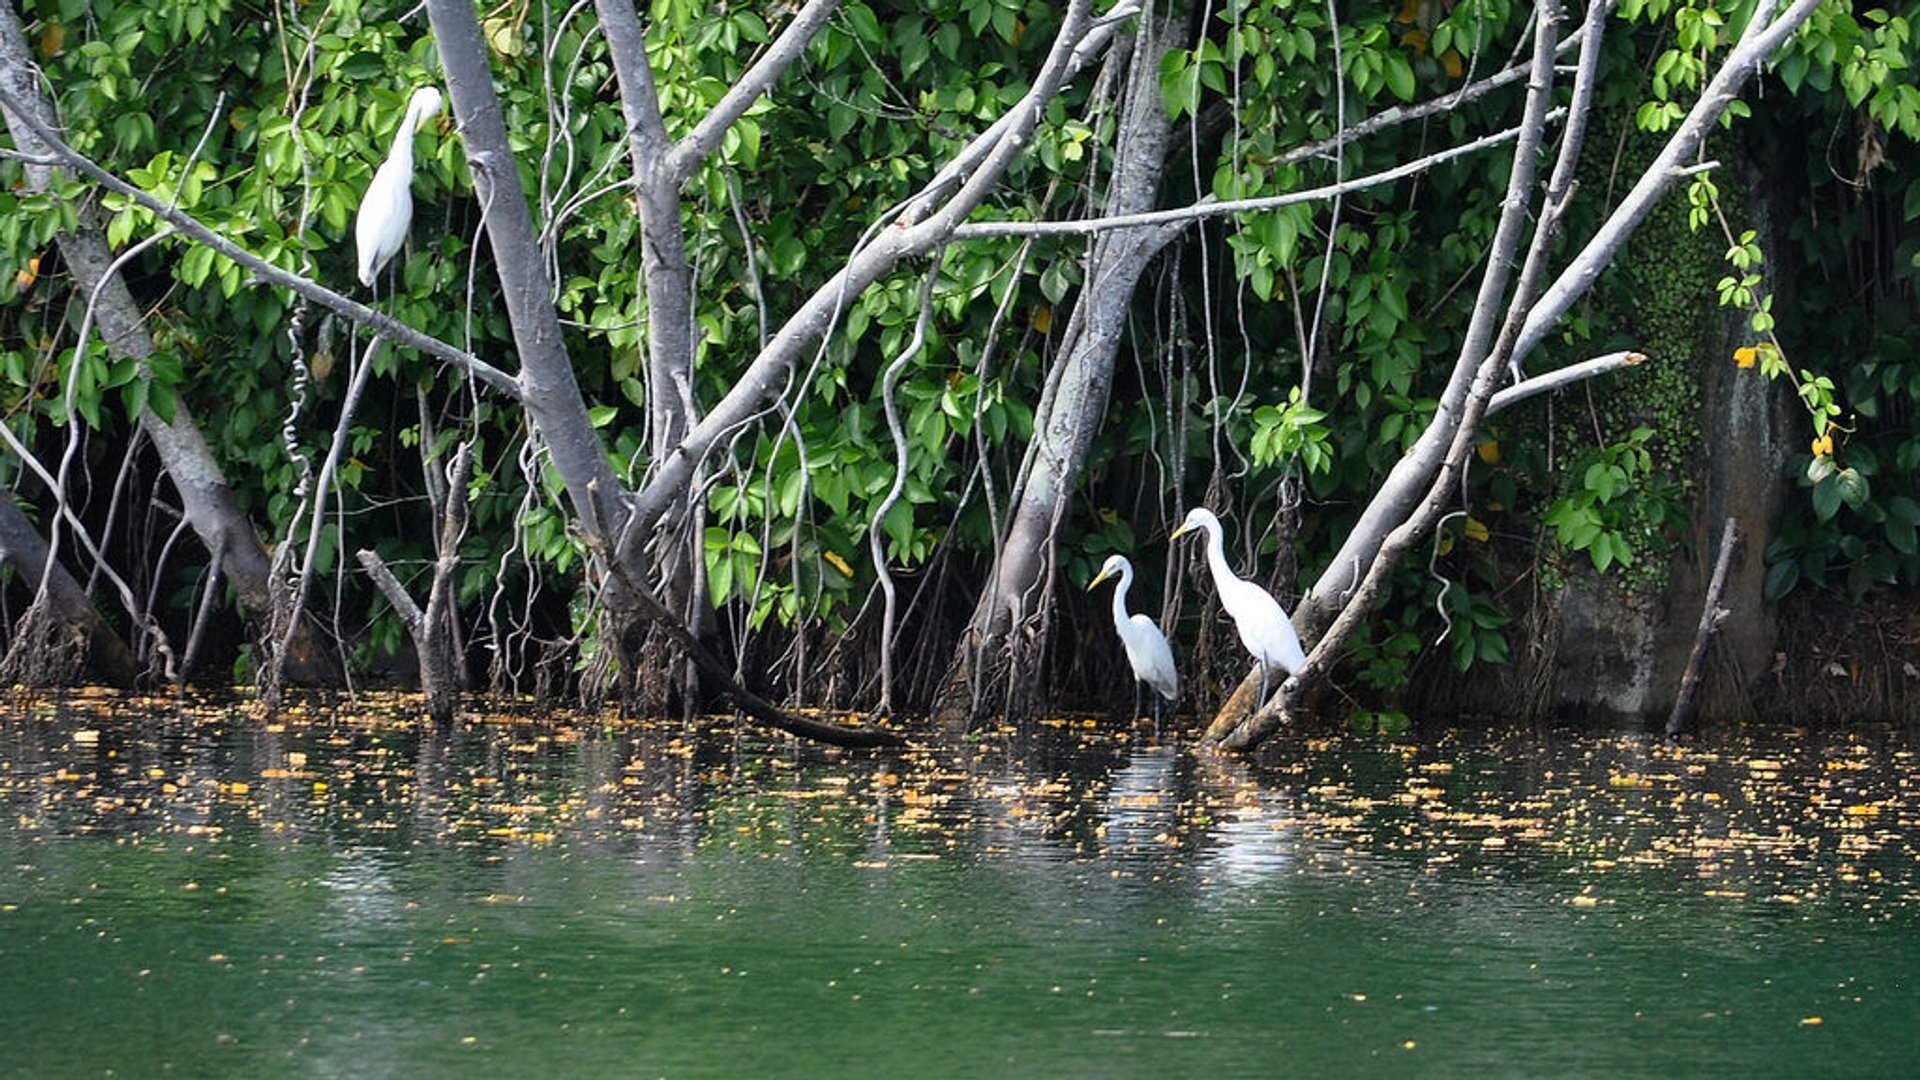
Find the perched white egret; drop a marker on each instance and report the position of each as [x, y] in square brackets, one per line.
[1264, 627]
[1146, 646]
[387, 209]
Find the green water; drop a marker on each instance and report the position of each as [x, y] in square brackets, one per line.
[195, 895]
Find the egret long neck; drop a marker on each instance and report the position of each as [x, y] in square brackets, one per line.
[402, 150]
[1217, 555]
[1120, 595]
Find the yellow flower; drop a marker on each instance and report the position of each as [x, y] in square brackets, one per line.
[1746, 356]
[1823, 446]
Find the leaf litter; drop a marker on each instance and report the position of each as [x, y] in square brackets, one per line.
[1781, 817]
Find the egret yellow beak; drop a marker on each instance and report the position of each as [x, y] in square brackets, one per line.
[1179, 532]
[1097, 579]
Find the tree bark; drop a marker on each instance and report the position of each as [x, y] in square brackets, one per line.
[998, 656]
[661, 169]
[550, 393]
[433, 630]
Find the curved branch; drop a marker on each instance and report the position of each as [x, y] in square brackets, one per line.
[1202, 210]
[705, 137]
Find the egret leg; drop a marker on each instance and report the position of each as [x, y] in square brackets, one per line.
[1135, 715]
[1262, 703]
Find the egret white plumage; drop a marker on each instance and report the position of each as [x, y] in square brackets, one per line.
[1263, 624]
[1146, 646]
[386, 210]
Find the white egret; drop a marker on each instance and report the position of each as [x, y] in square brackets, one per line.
[387, 208]
[1264, 627]
[1146, 646]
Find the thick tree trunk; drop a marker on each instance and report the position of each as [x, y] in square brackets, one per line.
[661, 169]
[551, 394]
[997, 660]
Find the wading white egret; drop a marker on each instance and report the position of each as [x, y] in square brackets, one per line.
[1146, 646]
[387, 208]
[1264, 627]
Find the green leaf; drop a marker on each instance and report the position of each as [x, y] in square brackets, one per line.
[1400, 76]
[1853, 487]
[1826, 497]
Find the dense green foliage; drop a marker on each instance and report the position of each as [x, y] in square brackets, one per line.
[266, 122]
